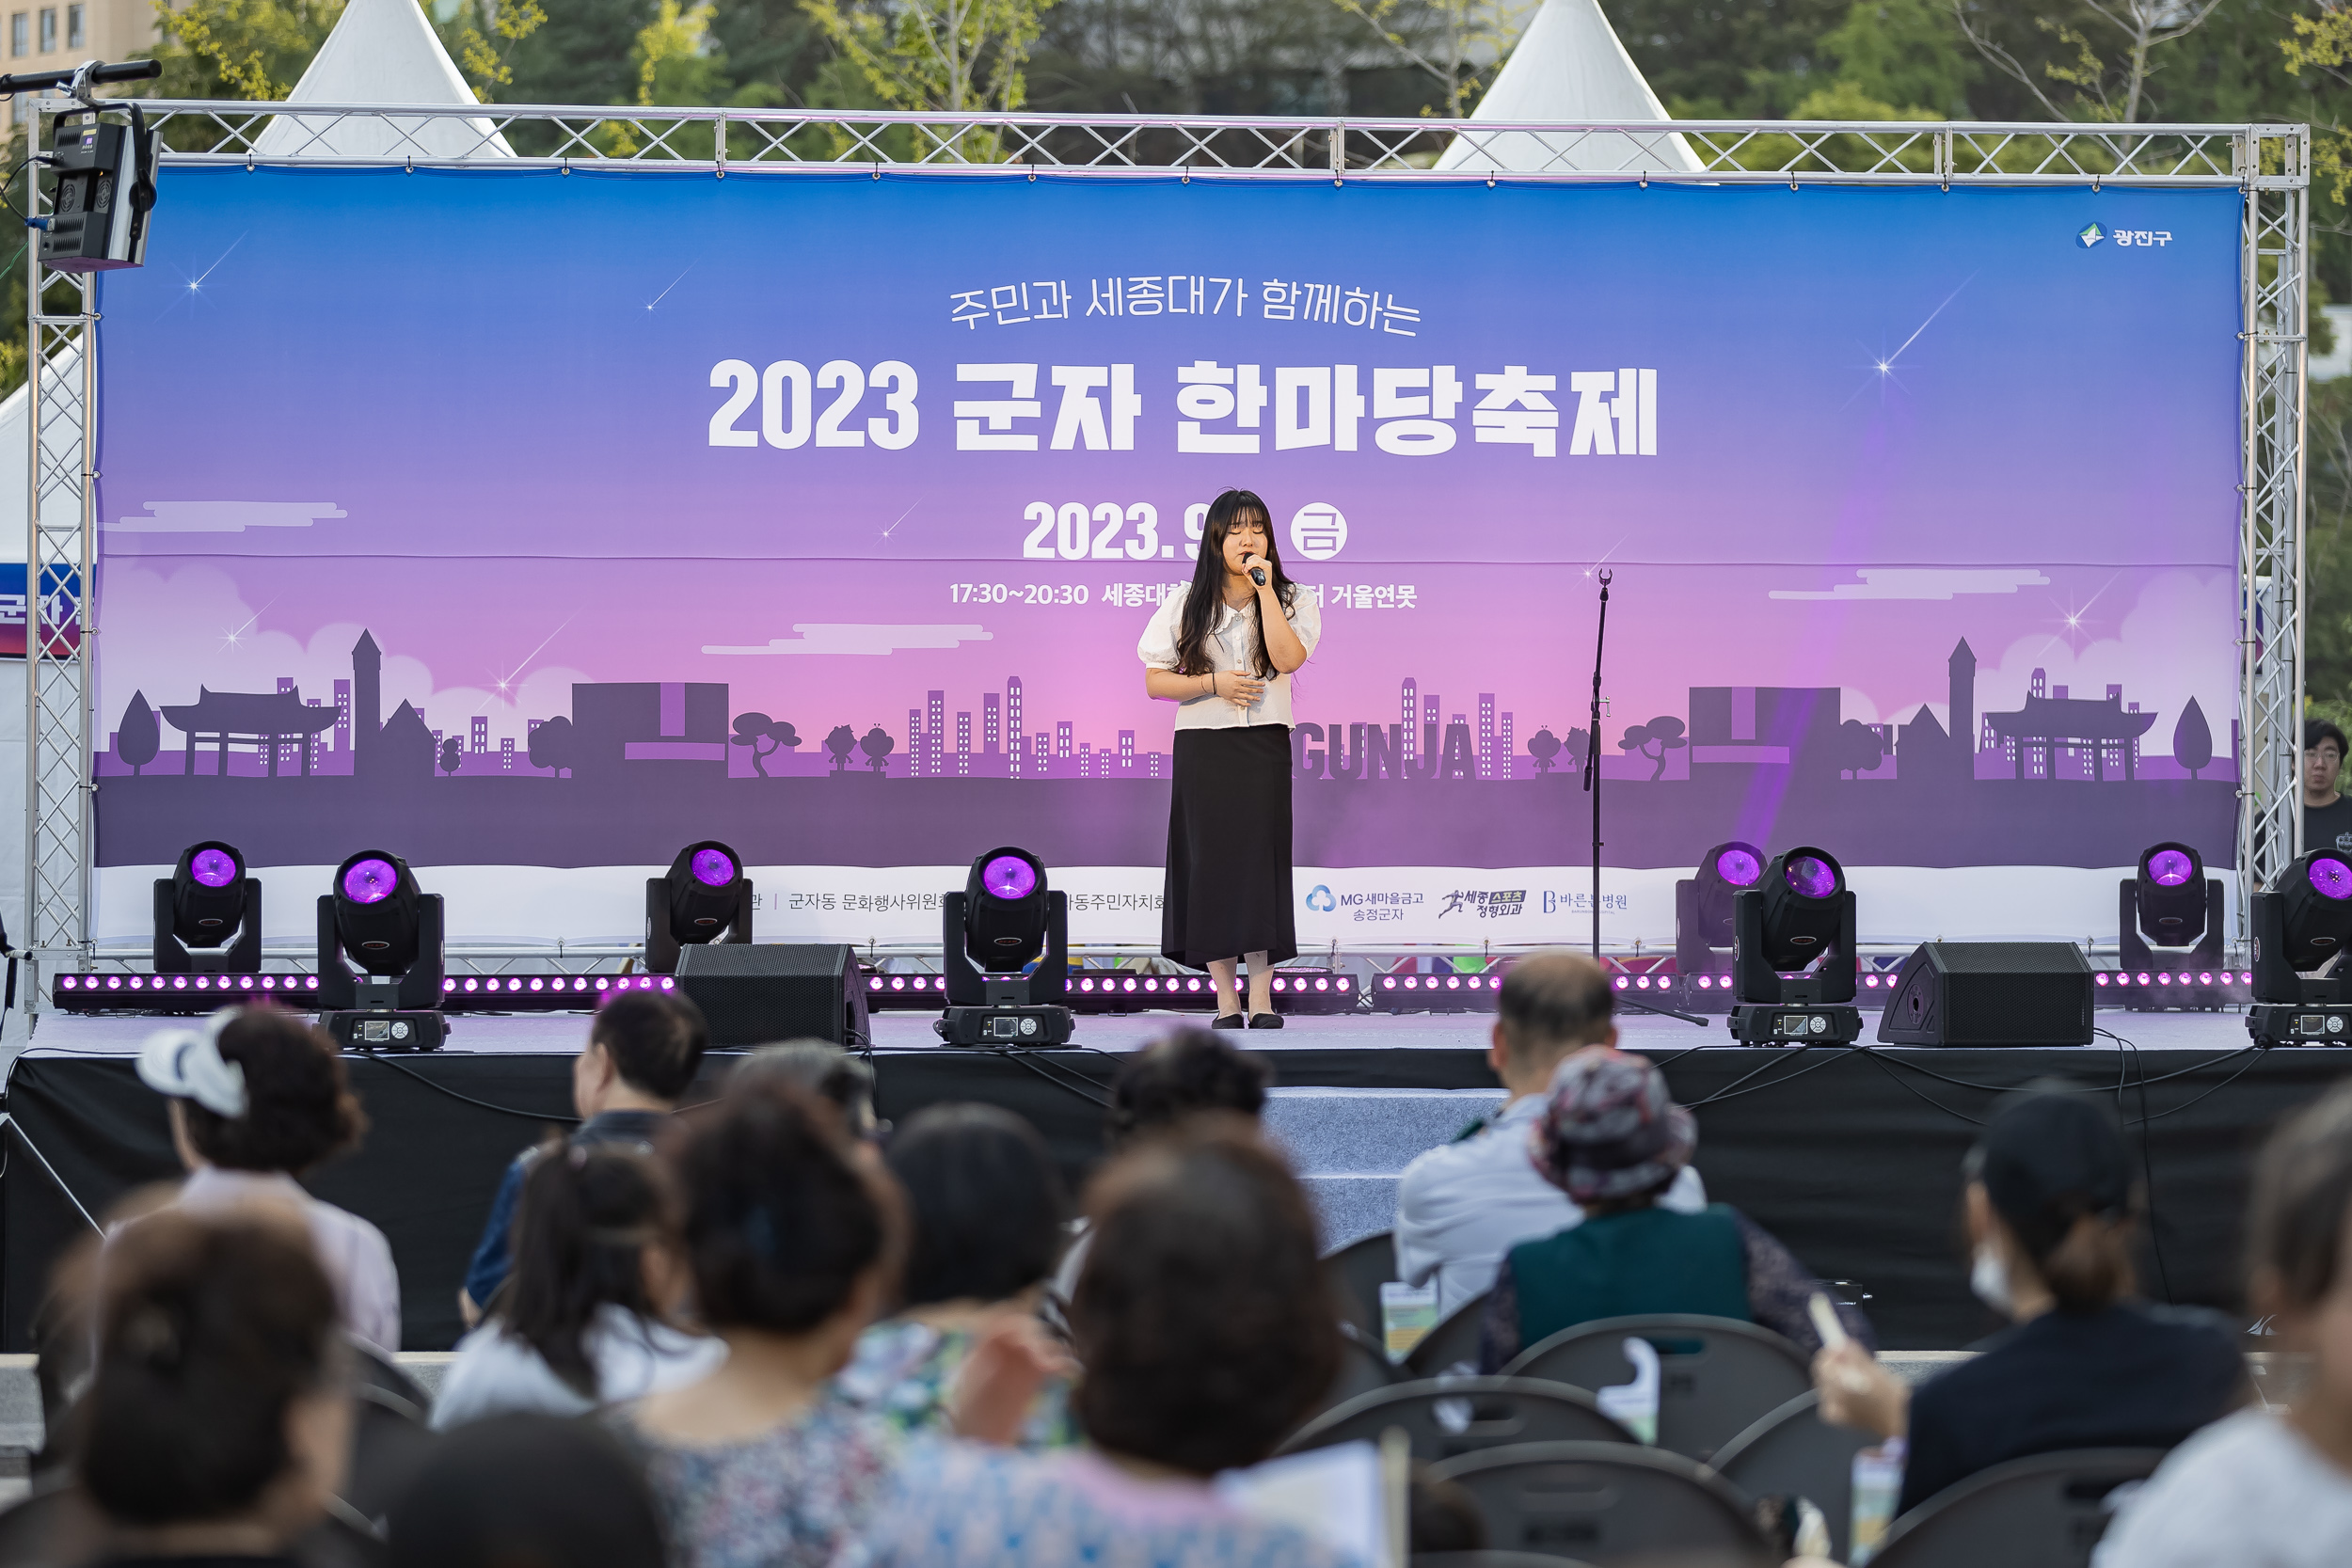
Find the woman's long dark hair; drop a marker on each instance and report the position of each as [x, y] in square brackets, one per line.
[1201, 601]
[580, 1232]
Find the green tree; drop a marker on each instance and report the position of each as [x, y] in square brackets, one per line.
[955, 56]
[2089, 59]
[587, 53]
[247, 49]
[481, 36]
[1906, 52]
[1460, 44]
[1709, 61]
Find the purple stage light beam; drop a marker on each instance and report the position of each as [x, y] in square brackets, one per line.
[2331, 877]
[371, 881]
[1009, 877]
[2169, 868]
[1810, 876]
[712, 868]
[1738, 867]
[213, 867]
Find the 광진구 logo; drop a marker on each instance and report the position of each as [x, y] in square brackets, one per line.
[2092, 234]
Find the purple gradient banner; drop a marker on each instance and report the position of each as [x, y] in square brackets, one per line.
[532, 525]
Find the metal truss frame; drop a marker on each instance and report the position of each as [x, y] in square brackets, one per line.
[60, 343]
[2271, 163]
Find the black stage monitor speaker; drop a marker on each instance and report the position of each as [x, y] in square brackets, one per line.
[761, 992]
[1977, 993]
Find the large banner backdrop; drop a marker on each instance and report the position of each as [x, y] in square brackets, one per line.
[532, 525]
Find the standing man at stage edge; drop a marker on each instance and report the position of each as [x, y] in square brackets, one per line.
[2327, 815]
[1459, 1208]
[643, 1052]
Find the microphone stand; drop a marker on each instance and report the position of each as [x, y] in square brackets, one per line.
[1592, 787]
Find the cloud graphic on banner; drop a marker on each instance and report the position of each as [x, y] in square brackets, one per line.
[844, 637]
[225, 516]
[1923, 582]
[192, 612]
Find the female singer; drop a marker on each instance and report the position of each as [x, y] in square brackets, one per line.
[1224, 651]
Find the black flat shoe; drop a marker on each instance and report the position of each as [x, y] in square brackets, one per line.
[1229, 1020]
[1265, 1020]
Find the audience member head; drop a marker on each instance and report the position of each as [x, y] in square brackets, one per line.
[984, 1201]
[2050, 1202]
[528, 1491]
[1551, 1004]
[597, 1227]
[215, 1419]
[643, 1052]
[2299, 1242]
[1610, 1135]
[1201, 1318]
[255, 1089]
[821, 1068]
[1193, 1070]
[787, 1233]
[2317, 730]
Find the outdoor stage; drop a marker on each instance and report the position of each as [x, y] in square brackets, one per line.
[1850, 1155]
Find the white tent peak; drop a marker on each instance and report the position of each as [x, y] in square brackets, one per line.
[381, 51]
[1569, 68]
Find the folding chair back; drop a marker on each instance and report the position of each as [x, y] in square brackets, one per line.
[2047, 1511]
[1452, 1344]
[1717, 1376]
[1610, 1504]
[1793, 1452]
[1357, 1272]
[1445, 1418]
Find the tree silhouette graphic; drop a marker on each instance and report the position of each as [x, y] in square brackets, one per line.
[2192, 739]
[551, 745]
[140, 735]
[1664, 732]
[1859, 749]
[453, 756]
[751, 729]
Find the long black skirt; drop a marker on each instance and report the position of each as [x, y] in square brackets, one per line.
[1229, 848]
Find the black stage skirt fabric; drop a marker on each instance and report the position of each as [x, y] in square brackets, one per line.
[1229, 848]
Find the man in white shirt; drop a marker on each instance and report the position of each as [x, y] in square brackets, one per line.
[1460, 1206]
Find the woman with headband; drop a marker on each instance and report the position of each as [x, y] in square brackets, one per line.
[259, 1098]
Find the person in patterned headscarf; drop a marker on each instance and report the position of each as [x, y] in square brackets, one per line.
[1611, 1137]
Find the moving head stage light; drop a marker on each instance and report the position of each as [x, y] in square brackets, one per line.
[104, 172]
[208, 914]
[1792, 963]
[2169, 917]
[1703, 934]
[1004, 919]
[378, 917]
[2302, 925]
[705, 898]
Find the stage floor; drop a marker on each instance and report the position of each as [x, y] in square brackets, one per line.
[511, 1033]
[1851, 1155]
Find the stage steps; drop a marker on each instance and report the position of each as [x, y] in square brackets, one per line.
[1350, 1163]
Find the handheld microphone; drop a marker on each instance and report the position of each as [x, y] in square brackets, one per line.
[1257, 574]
